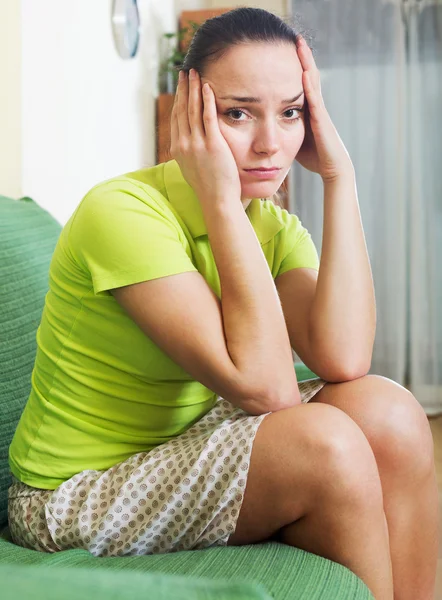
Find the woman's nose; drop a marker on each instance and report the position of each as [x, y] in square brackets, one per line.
[266, 140]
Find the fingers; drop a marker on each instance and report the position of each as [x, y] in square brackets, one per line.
[181, 100]
[210, 117]
[311, 75]
[306, 55]
[173, 128]
[193, 114]
[195, 108]
[186, 116]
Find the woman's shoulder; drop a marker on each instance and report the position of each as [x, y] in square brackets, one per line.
[120, 202]
[143, 184]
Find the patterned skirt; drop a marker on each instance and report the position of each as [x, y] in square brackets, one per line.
[181, 495]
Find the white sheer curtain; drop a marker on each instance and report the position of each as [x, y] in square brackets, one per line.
[425, 199]
[381, 74]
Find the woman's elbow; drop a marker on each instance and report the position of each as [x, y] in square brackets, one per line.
[345, 371]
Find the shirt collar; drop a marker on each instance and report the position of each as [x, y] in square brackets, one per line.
[185, 202]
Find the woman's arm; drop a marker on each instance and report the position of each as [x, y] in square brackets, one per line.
[343, 313]
[342, 318]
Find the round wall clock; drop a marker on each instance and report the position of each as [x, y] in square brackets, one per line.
[126, 27]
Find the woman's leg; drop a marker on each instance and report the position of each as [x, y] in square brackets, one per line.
[313, 473]
[399, 434]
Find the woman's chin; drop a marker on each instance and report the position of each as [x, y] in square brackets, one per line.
[259, 189]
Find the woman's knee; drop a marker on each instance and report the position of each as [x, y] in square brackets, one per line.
[303, 457]
[336, 456]
[400, 433]
[391, 419]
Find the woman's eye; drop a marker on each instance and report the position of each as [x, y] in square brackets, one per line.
[234, 111]
[296, 111]
[234, 114]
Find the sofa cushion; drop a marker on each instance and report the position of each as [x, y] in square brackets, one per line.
[28, 235]
[285, 572]
[44, 583]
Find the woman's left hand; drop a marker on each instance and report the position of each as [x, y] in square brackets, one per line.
[322, 151]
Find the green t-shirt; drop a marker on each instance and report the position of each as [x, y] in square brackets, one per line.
[101, 389]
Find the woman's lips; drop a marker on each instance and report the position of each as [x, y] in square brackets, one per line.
[263, 174]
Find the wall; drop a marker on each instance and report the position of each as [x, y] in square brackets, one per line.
[72, 112]
[88, 115]
[10, 99]
[278, 7]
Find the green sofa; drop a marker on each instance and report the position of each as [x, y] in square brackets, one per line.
[28, 235]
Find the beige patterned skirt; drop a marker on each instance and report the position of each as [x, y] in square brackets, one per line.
[181, 495]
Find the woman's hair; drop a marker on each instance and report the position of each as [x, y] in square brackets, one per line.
[243, 25]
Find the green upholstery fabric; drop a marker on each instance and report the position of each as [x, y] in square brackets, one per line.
[28, 235]
[303, 372]
[286, 573]
[43, 583]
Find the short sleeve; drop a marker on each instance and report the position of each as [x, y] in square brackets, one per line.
[299, 249]
[121, 235]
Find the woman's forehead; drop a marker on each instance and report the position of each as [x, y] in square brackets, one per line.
[252, 69]
[268, 59]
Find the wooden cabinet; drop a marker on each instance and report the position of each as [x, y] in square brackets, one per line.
[164, 110]
[165, 101]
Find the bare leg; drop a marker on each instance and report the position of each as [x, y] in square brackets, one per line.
[399, 433]
[412, 510]
[313, 471]
[359, 542]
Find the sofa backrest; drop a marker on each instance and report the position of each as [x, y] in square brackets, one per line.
[28, 235]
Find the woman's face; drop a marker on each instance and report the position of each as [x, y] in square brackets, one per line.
[269, 131]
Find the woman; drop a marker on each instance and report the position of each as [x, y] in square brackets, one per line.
[163, 417]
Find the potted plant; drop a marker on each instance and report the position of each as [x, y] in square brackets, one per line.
[174, 58]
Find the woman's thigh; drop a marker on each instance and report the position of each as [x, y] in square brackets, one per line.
[300, 455]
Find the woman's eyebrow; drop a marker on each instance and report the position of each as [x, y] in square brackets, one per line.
[252, 99]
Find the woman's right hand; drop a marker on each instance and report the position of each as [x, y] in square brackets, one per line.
[197, 144]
